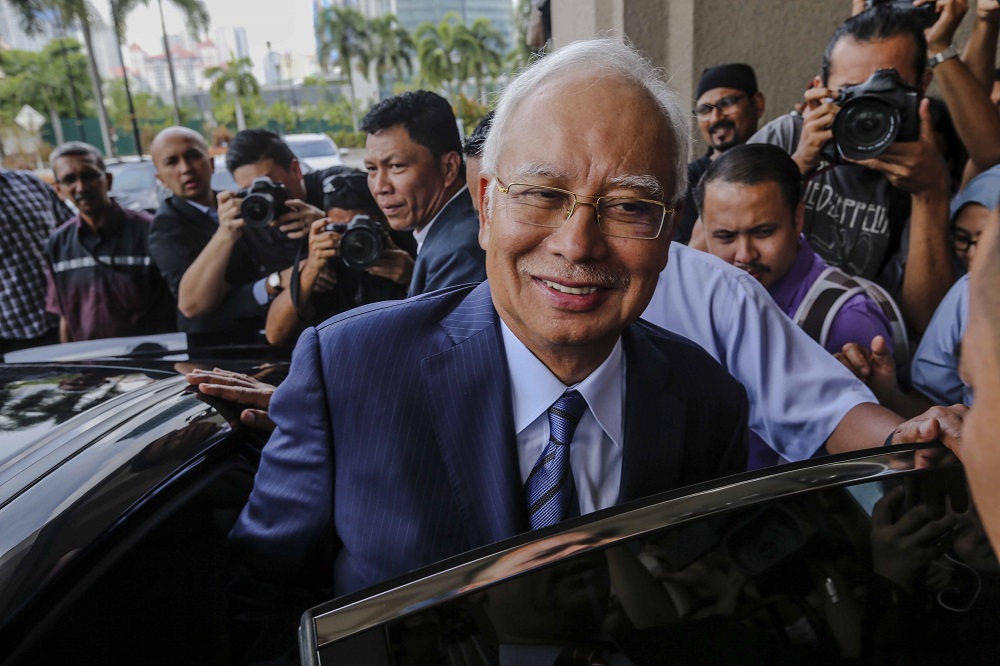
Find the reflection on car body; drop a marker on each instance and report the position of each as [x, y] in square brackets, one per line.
[853, 559]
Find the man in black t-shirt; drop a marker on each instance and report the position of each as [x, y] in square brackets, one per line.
[884, 218]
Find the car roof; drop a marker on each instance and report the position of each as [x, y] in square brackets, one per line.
[292, 138]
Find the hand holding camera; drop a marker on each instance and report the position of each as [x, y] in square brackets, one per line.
[943, 19]
[817, 118]
[231, 222]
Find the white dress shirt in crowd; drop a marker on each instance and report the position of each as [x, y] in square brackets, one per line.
[421, 234]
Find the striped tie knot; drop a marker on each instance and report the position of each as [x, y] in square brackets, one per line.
[550, 484]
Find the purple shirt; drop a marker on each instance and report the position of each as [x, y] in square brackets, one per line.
[859, 320]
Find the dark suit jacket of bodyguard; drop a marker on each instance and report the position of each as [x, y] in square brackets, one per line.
[178, 235]
[451, 254]
[395, 437]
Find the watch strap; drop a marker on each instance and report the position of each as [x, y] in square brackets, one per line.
[938, 58]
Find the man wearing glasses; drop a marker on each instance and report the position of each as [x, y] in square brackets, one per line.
[728, 109]
[533, 397]
[102, 283]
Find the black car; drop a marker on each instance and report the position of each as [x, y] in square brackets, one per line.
[134, 185]
[119, 485]
[855, 559]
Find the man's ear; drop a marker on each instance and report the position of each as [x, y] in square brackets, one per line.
[484, 218]
[295, 168]
[800, 217]
[451, 166]
[759, 103]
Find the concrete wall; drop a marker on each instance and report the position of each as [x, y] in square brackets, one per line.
[782, 39]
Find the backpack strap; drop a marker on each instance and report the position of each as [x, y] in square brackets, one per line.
[897, 325]
[823, 301]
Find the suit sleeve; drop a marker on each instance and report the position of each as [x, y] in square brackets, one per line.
[173, 253]
[289, 514]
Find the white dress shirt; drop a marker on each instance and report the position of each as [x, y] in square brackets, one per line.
[596, 451]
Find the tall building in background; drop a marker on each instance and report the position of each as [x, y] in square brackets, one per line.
[242, 46]
[12, 35]
[412, 13]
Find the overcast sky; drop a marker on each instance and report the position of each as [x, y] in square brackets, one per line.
[287, 24]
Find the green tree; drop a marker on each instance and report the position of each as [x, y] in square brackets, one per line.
[68, 12]
[390, 50]
[441, 51]
[484, 53]
[40, 80]
[342, 35]
[235, 75]
[195, 15]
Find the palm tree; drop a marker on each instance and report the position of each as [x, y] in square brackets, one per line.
[236, 77]
[342, 32]
[390, 50]
[66, 12]
[486, 55]
[441, 51]
[196, 15]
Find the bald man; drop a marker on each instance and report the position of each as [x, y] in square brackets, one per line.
[227, 270]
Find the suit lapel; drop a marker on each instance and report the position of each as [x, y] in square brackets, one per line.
[460, 204]
[654, 420]
[469, 392]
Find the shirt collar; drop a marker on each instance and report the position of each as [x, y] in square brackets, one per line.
[534, 388]
[421, 234]
[200, 207]
[783, 291]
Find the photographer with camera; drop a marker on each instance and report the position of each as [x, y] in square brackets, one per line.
[876, 190]
[279, 200]
[352, 258]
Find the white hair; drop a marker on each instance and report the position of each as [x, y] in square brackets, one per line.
[596, 56]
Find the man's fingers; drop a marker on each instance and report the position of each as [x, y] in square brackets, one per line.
[256, 418]
[241, 395]
[944, 423]
[857, 356]
[926, 123]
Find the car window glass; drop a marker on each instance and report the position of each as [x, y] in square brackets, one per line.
[894, 571]
[129, 176]
[312, 148]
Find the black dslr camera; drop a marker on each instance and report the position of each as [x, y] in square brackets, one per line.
[925, 15]
[263, 202]
[872, 116]
[361, 241]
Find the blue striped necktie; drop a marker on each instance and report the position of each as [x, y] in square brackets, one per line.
[550, 485]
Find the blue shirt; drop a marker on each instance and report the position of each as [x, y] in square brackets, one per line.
[935, 365]
[798, 392]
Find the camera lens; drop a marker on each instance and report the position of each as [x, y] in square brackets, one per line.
[360, 247]
[257, 210]
[865, 127]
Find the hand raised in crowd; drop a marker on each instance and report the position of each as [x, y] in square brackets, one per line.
[394, 264]
[875, 366]
[297, 221]
[914, 166]
[230, 220]
[817, 120]
[857, 6]
[950, 14]
[240, 389]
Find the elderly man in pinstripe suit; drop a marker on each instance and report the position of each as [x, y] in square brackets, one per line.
[411, 431]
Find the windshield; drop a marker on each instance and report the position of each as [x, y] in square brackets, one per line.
[317, 148]
[138, 176]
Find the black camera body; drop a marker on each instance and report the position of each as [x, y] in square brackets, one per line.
[873, 115]
[263, 202]
[362, 241]
[925, 15]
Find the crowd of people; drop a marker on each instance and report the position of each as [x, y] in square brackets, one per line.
[556, 280]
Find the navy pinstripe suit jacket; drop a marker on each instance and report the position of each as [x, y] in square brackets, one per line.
[395, 437]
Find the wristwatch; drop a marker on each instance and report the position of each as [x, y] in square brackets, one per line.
[274, 284]
[938, 58]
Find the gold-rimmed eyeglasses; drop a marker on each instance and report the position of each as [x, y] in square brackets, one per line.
[623, 217]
